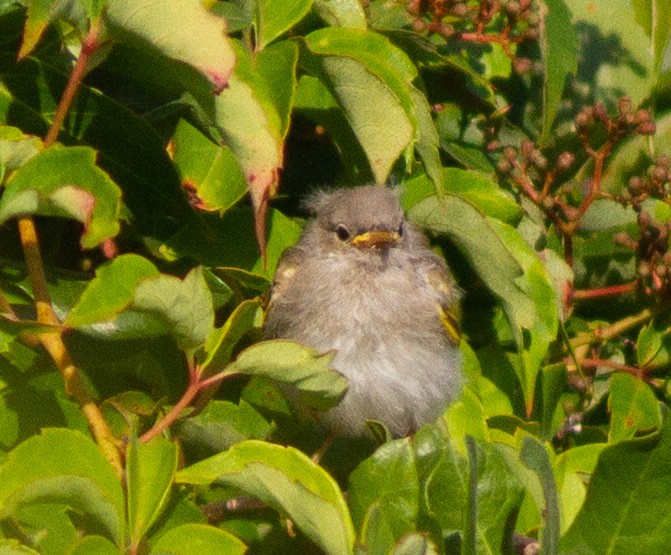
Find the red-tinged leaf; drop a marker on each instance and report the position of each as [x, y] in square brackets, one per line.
[182, 30]
[65, 181]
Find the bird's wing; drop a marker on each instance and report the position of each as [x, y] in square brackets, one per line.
[286, 270]
[440, 280]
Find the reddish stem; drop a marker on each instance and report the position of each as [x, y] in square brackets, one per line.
[605, 291]
[174, 414]
[596, 362]
[89, 46]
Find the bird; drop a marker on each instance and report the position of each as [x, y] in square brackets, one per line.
[363, 283]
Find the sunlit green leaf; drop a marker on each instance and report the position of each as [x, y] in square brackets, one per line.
[633, 407]
[387, 483]
[182, 30]
[198, 538]
[341, 13]
[291, 364]
[274, 18]
[65, 181]
[150, 469]
[287, 480]
[111, 291]
[629, 495]
[558, 45]
[65, 466]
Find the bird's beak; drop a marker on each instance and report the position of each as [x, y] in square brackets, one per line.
[376, 239]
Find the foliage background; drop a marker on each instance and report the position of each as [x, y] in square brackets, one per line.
[140, 145]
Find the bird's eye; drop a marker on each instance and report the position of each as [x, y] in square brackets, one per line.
[342, 232]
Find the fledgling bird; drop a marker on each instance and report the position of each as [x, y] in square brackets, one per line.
[363, 283]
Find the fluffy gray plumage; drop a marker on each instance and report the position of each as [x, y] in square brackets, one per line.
[362, 282]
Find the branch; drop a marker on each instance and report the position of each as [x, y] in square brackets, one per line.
[618, 328]
[53, 341]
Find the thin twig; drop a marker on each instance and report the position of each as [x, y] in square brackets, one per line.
[582, 294]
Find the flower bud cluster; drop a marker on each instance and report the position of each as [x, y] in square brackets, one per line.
[507, 22]
[652, 252]
[627, 121]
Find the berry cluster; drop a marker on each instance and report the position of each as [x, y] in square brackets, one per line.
[506, 22]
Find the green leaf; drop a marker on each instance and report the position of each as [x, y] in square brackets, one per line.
[499, 495]
[415, 544]
[291, 364]
[13, 547]
[274, 18]
[387, 483]
[181, 30]
[222, 341]
[95, 545]
[629, 495]
[483, 193]
[653, 346]
[633, 406]
[198, 538]
[43, 12]
[209, 171]
[538, 288]
[184, 307]
[479, 239]
[357, 66]
[64, 466]
[287, 480]
[111, 291]
[247, 115]
[570, 467]
[220, 425]
[559, 45]
[342, 13]
[655, 18]
[150, 469]
[277, 65]
[65, 181]
[535, 457]
[428, 141]
[16, 149]
[130, 298]
[443, 474]
[552, 382]
[612, 35]
[46, 526]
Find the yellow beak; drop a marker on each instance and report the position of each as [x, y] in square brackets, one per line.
[375, 239]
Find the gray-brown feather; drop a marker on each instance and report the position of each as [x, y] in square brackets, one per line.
[379, 309]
